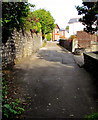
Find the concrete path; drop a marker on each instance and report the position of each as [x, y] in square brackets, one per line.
[51, 85]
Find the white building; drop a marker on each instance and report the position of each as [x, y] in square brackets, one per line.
[74, 26]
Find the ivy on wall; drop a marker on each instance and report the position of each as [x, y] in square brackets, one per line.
[13, 16]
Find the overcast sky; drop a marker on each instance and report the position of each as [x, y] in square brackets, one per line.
[61, 10]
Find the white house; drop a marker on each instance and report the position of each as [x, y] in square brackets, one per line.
[74, 26]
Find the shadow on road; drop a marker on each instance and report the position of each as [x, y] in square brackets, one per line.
[51, 85]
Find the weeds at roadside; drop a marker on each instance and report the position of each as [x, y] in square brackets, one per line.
[11, 107]
[44, 44]
[93, 116]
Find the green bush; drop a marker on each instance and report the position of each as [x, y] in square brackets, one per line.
[44, 44]
[11, 110]
[49, 36]
[93, 116]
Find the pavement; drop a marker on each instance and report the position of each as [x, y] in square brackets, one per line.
[79, 59]
[51, 85]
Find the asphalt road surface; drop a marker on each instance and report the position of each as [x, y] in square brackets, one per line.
[51, 85]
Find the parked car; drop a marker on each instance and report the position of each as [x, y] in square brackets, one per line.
[57, 40]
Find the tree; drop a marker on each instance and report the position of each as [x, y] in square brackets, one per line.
[32, 23]
[89, 19]
[46, 21]
[67, 28]
[13, 16]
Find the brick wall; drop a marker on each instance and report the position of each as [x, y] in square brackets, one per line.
[85, 39]
[20, 46]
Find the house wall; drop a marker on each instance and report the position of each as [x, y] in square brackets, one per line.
[74, 27]
[62, 33]
[58, 34]
[55, 34]
[67, 35]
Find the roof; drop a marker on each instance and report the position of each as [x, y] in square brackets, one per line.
[62, 29]
[73, 20]
[57, 26]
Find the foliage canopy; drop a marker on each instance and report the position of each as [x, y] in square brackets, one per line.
[46, 21]
[89, 10]
[32, 23]
[13, 16]
[18, 15]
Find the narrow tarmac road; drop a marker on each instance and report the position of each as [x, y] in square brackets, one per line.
[52, 85]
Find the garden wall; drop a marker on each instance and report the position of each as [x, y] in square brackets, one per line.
[91, 62]
[85, 40]
[20, 46]
[66, 44]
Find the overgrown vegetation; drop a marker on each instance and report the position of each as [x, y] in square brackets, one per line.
[93, 116]
[11, 107]
[32, 23]
[13, 16]
[44, 44]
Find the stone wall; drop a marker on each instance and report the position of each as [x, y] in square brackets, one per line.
[20, 46]
[91, 62]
